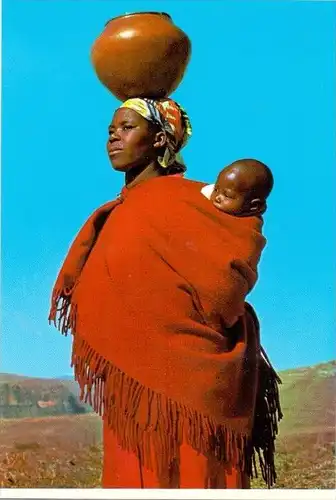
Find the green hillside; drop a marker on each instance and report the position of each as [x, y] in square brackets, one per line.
[308, 398]
[305, 447]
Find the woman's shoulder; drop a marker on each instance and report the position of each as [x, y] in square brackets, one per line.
[173, 184]
[165, 192]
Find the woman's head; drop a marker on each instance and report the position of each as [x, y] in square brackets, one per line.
[146, 131]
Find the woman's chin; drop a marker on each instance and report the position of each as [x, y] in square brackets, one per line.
[119, 166]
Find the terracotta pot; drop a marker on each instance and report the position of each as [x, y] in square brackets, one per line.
[141, 55]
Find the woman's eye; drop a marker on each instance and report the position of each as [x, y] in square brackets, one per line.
[127, 127]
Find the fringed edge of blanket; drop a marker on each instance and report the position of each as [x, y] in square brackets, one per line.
[62, 311]
[116, 397]
[267, 417]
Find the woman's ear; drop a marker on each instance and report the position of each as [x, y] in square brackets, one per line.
[257, 206]
[160, 139]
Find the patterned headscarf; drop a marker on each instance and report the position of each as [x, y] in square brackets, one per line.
[172, 120]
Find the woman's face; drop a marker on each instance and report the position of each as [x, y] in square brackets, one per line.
[131, 140]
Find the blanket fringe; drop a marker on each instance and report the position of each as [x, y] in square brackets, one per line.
[63, 311]
[267, 416]
[122, 400]
[144, 419]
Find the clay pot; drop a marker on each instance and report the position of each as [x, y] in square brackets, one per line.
[141, 55]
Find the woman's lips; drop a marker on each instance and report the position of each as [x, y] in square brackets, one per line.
[114, 151]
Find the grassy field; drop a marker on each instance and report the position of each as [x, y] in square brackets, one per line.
[65, 452]
[51, 452]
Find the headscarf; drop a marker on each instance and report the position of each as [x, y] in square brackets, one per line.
[172, 120]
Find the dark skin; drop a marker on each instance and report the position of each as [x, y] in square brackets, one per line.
[134, 145]
[241, 188]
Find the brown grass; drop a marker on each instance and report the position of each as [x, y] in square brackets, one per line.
[53, 452]
[66, 452]
[305, 460]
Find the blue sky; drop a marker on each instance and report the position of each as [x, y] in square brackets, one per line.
[260, 84]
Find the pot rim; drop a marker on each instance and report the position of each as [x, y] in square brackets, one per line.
[130, 14]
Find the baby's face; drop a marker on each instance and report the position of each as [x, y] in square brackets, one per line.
[232, 192]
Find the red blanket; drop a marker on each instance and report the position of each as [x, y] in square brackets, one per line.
[149, 289]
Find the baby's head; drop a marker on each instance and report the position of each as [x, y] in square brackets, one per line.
[242, 188]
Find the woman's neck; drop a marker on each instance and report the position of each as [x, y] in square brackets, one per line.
[140, 174]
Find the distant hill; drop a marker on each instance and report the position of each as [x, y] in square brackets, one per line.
[22, 397]
[307, 398]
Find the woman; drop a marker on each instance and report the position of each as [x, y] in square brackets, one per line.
[181, 402]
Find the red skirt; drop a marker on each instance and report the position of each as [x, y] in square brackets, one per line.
[122, 469]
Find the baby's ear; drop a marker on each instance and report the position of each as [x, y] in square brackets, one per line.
[160, 139]
[257, 206]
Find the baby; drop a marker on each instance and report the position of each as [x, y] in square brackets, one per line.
[241, 189]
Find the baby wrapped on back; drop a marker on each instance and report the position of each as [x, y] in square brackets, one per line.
[203, 253]
[240, 191]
